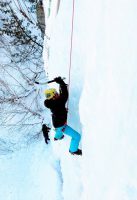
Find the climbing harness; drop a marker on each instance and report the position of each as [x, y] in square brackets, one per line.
[63, 129]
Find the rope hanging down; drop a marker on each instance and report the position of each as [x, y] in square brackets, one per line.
[70, 54]
[71, 46]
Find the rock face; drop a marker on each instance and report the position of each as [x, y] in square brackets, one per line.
[41, 17]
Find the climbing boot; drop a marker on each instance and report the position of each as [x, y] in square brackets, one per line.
[55, 139]
[78, 152]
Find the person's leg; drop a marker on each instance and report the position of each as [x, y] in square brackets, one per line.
[58, 133]
[75, 138]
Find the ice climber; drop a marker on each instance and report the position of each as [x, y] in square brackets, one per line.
[56, 103]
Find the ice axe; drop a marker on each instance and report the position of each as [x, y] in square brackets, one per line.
[44, 83]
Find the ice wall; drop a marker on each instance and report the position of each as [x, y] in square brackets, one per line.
[109, 100]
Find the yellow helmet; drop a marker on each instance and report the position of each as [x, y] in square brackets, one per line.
[49, 93]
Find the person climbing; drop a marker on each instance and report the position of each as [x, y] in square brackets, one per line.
[45, 130]
[56, 103]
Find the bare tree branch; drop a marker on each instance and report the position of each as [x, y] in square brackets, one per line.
[21, 108]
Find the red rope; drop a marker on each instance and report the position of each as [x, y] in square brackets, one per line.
[71, 46]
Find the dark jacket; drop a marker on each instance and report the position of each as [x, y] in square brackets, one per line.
[57, 106]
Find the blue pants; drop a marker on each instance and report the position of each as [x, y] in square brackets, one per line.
[72, 133]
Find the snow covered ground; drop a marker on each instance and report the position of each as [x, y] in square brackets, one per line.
[102, 107]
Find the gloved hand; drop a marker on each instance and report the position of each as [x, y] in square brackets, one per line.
[58, 80]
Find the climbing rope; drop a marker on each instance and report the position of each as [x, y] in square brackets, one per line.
[71, 46]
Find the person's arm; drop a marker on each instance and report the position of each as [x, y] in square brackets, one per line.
[63, 88]
[47, 103]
